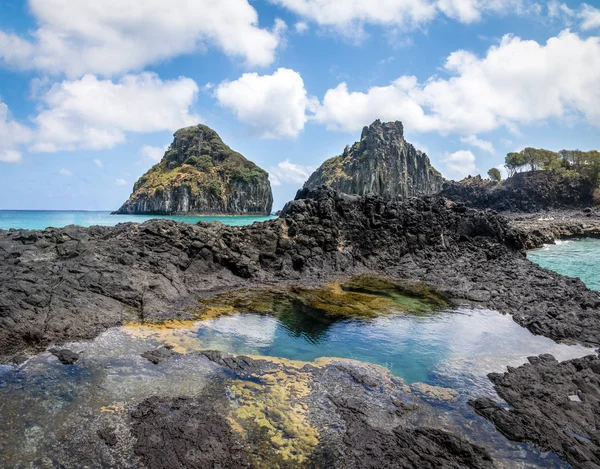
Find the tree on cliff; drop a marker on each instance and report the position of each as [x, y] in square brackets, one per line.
[584, 163]
[495, 175]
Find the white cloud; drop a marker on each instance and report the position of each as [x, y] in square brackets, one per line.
[93, 114]
[459, 164]
[503, 171]
[65, 172]
[286, 172]
[10, 156]
[517, 82]
[153, 153]
[301, 27]
[558, 10]
[109, 37]
[121, 182]
[349, 17]
[478, 143]
[272, 106]
[12, 136]
[99, 163]
[590, 17]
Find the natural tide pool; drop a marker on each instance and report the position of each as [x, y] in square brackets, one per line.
[576, 257]
[43, 401]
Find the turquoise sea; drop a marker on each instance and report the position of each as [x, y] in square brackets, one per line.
[577, 257]
[41, 219]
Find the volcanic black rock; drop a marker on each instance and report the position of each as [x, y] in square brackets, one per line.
[531, 191]
[71, 283]
[554, 405]
[381, 163]
[65, 356]
[199, 174]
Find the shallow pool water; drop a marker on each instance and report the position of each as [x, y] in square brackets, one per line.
[42, 401]
[577, 257]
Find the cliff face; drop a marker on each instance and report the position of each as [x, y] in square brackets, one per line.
[523, 192]
[381, 163]
[199, 174]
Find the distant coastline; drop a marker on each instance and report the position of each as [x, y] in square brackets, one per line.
[42, 219]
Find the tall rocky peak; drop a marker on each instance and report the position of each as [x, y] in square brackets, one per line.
[381, 163]
[199, 174]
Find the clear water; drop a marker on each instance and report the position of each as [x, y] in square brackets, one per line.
[454, 349]
[41, 219]
[578, 257]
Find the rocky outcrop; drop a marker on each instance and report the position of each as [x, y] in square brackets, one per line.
[554, 405]
[381, 163]
[199, 174]
[524, 192]
[539, 229]
[359, 417]
[58, 285]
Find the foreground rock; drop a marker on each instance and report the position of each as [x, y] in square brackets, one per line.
[381, 163]
[358, 416]
[529, 192]
[58, 285]
[554, 405]
[199, 174]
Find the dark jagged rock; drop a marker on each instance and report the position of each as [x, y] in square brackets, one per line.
[72, 283]
[381, 163]
[199, 174]
[240, 424]
[554, 405]
[65, 356]
[524, 192]
[539, 229]
[160, 354]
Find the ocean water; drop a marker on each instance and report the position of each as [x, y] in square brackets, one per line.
[43, 400]
[577, 257]
[41, 219]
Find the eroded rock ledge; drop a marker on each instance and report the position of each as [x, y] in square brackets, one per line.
[554, 405]
[71, 283]
[547, 227]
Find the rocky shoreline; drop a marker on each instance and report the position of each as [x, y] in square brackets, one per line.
[60, 285]
[547, 227]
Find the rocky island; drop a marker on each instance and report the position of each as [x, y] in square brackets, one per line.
[381, 163]
[201, 175]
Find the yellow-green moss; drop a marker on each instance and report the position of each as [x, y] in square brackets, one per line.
[273, 407]
[364, 296]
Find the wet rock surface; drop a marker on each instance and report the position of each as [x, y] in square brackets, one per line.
[547, 227]
[160, 354]
[554, 405]
[358, 417]
[72, 283]
[65, 356]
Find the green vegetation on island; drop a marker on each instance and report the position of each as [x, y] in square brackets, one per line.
[199, 173]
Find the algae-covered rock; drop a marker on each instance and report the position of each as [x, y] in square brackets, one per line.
[199, 174]
[363, 296]
[280, 414]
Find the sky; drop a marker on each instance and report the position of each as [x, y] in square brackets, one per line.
[91, 91]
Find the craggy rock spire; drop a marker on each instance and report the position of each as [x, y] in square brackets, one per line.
[199, 174]
[381, 163]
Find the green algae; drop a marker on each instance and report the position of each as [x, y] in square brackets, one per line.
[364, 296]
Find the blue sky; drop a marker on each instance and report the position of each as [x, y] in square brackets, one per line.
[91, 91]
